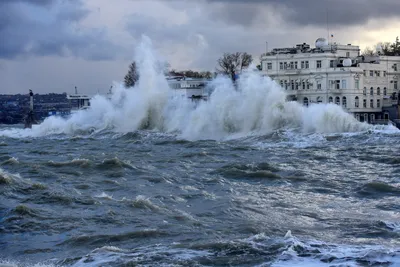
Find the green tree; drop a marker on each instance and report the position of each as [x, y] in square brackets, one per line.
[396, 47]
[388, 49]
[384, 48]
[132, 76]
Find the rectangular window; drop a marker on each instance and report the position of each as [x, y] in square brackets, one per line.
[378, 73]
[285, 65]
[302, 65]
[333, 84]
[295, 65]
[291, 65]
[319, 64]
[292, 85]
[281, 65]
[308, 85]
[357, 84]
[384, 73]
[304, 85]
[319, 86]
[378, 103]
[331, 65]
[371, 103]
[371, 73]
[347, 54]
[395, 85]
[395, 67]
[269, 65]
[364, 103]
[307, 65]
[365, 73]
[337, 84]
[344, 84]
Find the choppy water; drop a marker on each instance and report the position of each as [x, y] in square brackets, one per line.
[152, 199]
[244, 179]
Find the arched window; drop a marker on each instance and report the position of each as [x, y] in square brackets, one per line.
[364, 103]
[319, 99]
[330, 99]
[371, 103]
[371, 91]
[305, 101]
[378, 103]
[344, 101]
[365, 91]
[378, 91]
[357, 102]
[337, 100]
[384, 91]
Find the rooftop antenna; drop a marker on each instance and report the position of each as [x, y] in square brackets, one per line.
[76, 90]
[327, 24]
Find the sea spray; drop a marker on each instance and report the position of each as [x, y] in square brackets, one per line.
[255, 105]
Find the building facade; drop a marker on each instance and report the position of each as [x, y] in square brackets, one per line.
[366, 86]
[194, 88]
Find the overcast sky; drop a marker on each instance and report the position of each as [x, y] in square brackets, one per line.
[54, 45]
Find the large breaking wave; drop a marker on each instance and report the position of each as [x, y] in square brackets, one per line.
[256, 106]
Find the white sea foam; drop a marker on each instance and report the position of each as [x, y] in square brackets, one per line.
[256, 106]
[322, 254]
[143, 256]
[104, 195]
[6, 263]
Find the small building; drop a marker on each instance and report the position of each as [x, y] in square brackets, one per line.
[194, 88]
[366, 86]
[79, 102]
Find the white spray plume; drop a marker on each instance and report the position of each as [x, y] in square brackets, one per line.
[255, 105]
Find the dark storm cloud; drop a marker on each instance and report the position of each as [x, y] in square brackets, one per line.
[34, 2]
[309, 12]
[48, 28]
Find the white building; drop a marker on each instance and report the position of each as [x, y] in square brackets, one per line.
[194, 88]
[366, 86]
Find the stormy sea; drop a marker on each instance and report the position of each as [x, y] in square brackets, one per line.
[244, 179]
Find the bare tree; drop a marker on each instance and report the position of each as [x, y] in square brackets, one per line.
[132, 76]
[368, 51]
[192, 74]
[231, 64]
